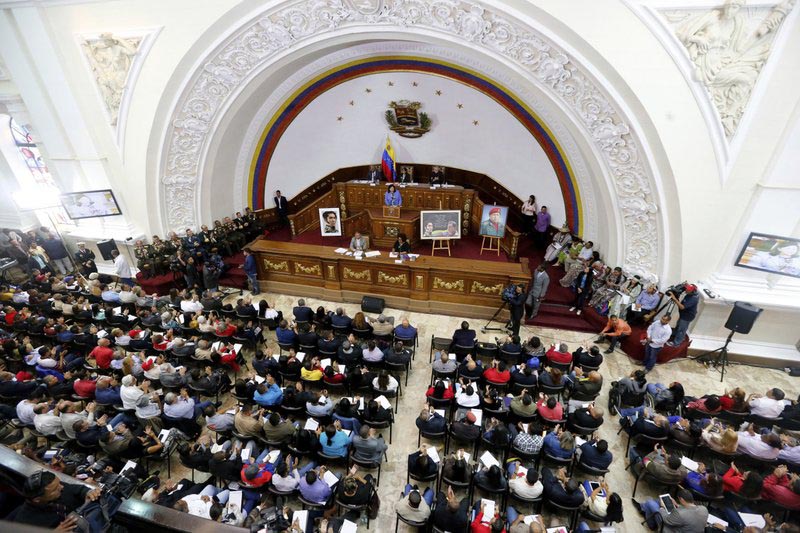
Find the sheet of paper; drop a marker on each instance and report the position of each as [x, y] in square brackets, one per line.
[439, 412]
[230, 412]
[688, 463]
[750, 519]
[488, 510]
[234, 498]
[216, 448]
[392, 254]
[325, 363]
[118, 310]
[714, 520]
[330, 478]
[130, 465]
[478, 416]
[383, 402]
[557, 529]
[273, 456]
[245, 454]
[529, 519]
[398, 261]
[525, 428]
[300, 356]
[346, 431]
[311, 424]
[489, 460]
[373, 253]
[102, 334]
[276, 357]
[579, 441]
[258, 379]
[360, 402]
[433, 453]
[301, 517]
[216, 346]
[49, 454]
[340, 250]
[521, 471]
[162, 436]
[348, 527]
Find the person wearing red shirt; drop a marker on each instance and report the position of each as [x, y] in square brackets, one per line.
[102, 354]
[495, 525]
[561, 356]
[226, 355]
[225, 329]
[159, 342]
[440, 391]
[550, 408]
[85, 387]
[256, 475]
[332, 375]
[10, 314]
[782, 489]
[497, 373]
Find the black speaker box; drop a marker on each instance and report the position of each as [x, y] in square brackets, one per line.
[106, 247]
[370, 304]
[742, 317]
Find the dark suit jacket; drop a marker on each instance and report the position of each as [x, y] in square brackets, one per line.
[281, 204]
[464, 431]
[553, 490]
[343, 321]
[591, 457]
[582, 418]
[435, 424]
[464, 337]
[303, 314]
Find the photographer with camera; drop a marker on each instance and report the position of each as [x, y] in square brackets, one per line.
[49, 502]
[516, 305]
[687, 309]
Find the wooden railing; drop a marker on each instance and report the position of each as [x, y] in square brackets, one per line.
[308, 217]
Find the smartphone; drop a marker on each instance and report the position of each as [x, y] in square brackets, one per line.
[666, 501]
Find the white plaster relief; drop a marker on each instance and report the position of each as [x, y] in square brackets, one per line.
[728, 47]
[111, 57]
[290, 25]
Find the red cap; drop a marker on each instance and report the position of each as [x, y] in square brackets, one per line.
[691, 288]
[495, 210]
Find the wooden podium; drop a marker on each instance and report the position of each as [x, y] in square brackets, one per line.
[391, 211]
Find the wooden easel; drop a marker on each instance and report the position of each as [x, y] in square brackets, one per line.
[440, 244]
[493, 244]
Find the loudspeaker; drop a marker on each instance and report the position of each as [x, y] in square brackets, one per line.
[742, 317]
[370, 304]
[106, 247]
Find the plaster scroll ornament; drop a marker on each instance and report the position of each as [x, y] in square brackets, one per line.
[729, 48]
[111, 58]
[254, 47]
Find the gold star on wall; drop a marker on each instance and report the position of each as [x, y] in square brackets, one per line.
[438, 93]
[352, 102]
[474, 122]
[459, 106]
[340, 118]
[414, 84]
[367, 90]
[391, 84]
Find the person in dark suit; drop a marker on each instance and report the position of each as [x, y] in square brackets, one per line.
[587, 417]
[517, 307]
[420, 465]
[340, 319]
[282, 205]
[560, 489]
[463, 336]
[303, 313]
[595, 454]
[430, 422]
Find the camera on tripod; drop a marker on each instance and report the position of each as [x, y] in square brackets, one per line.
[677, 289]
[509, 292]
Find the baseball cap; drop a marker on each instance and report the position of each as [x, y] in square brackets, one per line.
[36, 482]
[691, 287]
[471, 417]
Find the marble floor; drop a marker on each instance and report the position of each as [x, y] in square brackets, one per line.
[696, 378]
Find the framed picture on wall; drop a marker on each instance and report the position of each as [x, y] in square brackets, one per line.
[330, 222]
[770, 253]
[493, 221]
[440, 225]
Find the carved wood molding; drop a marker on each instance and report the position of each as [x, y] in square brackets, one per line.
[477, 286]
[399, 279]
[362, 275]
[282, 266]
[300, 268]
[439, 283]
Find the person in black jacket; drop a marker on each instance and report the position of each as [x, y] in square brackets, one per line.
[450, 513]
[517, 307]
[591, 357]
[587, 417]
[224, 468]
[303, 313]
[595, 454]
[560, 489]
[282, 206]
[48, 501]
[430, 422]
[463, 336]
[420, 465]
[465, 430]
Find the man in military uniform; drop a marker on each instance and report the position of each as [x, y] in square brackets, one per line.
[193, 245]
[255, 222]
[221, 235]
[144, 261]
[235, 234]
[85, 259]
[160, 251]
[244, 226]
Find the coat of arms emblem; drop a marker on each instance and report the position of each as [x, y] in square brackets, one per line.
[406, 120]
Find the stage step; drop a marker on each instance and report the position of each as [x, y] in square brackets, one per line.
[574, 322]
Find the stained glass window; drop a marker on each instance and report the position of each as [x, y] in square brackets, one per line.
[30, 153]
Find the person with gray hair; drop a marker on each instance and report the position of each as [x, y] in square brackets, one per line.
[303, 313]
[130, 393]
[382, 326]
[340, 319]
[561, 356]
[183, 406]
[172, 378]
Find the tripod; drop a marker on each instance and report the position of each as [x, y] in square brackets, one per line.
[486, 327]
[721, 359]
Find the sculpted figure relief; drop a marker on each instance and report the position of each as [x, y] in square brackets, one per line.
[728, 57]
[111, 59]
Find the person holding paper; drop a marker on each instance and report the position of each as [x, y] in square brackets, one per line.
[335, 441]
[354, 488]
[523, 484]
[313, 488]
[368, 445]
[287, 475]
[487, 519]
[518, 525]
[431, 422]
[320, 406]
[268, 394]
[277, 429]
[246, 422]
[420, 464]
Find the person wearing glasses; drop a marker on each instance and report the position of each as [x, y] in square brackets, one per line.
[48, 501]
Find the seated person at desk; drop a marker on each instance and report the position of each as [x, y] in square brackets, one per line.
[437, 176]
[392, 197]
[405, 176]
[401, 244]
[374, 175]
[358, 243]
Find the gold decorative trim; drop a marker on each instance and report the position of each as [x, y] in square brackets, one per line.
[400, 279]
[477, 286]
[391, 231]
[303, 269]
[363, 275]
[439, 283]
[331, 272]
[420, 282]
[283, 266]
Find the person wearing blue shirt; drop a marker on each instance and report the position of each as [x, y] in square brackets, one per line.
[595, 454]
[268, 393]
[334, 441]
[106, 393]
[250, 270]
[559, 444]
[392, 197]
[687, 311]
[405, 330]
[285, 334]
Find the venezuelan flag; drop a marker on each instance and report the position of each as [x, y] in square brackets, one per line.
[387, 161]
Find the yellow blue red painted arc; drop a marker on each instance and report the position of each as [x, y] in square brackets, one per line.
[301, 98]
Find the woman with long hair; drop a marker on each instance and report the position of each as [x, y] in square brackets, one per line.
[385, 382]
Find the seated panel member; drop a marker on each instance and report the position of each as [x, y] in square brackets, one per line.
[358, 243]
[401, 244]
[392, 197]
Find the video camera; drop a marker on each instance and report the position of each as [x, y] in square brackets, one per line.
[509, 292]
[677, 289]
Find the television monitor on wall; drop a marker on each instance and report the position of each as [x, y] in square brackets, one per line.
[770, 253]
[90, 204]
[440, 225]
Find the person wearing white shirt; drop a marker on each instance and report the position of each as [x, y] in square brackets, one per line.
[769, 406]
[466, 395]
[192, 306]
[48, 423]
[122, 269]
[129, 393]
[527, 486]
[657, 336]
[200, 504]
[766, 446]
[26, 410]
[790, 454]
